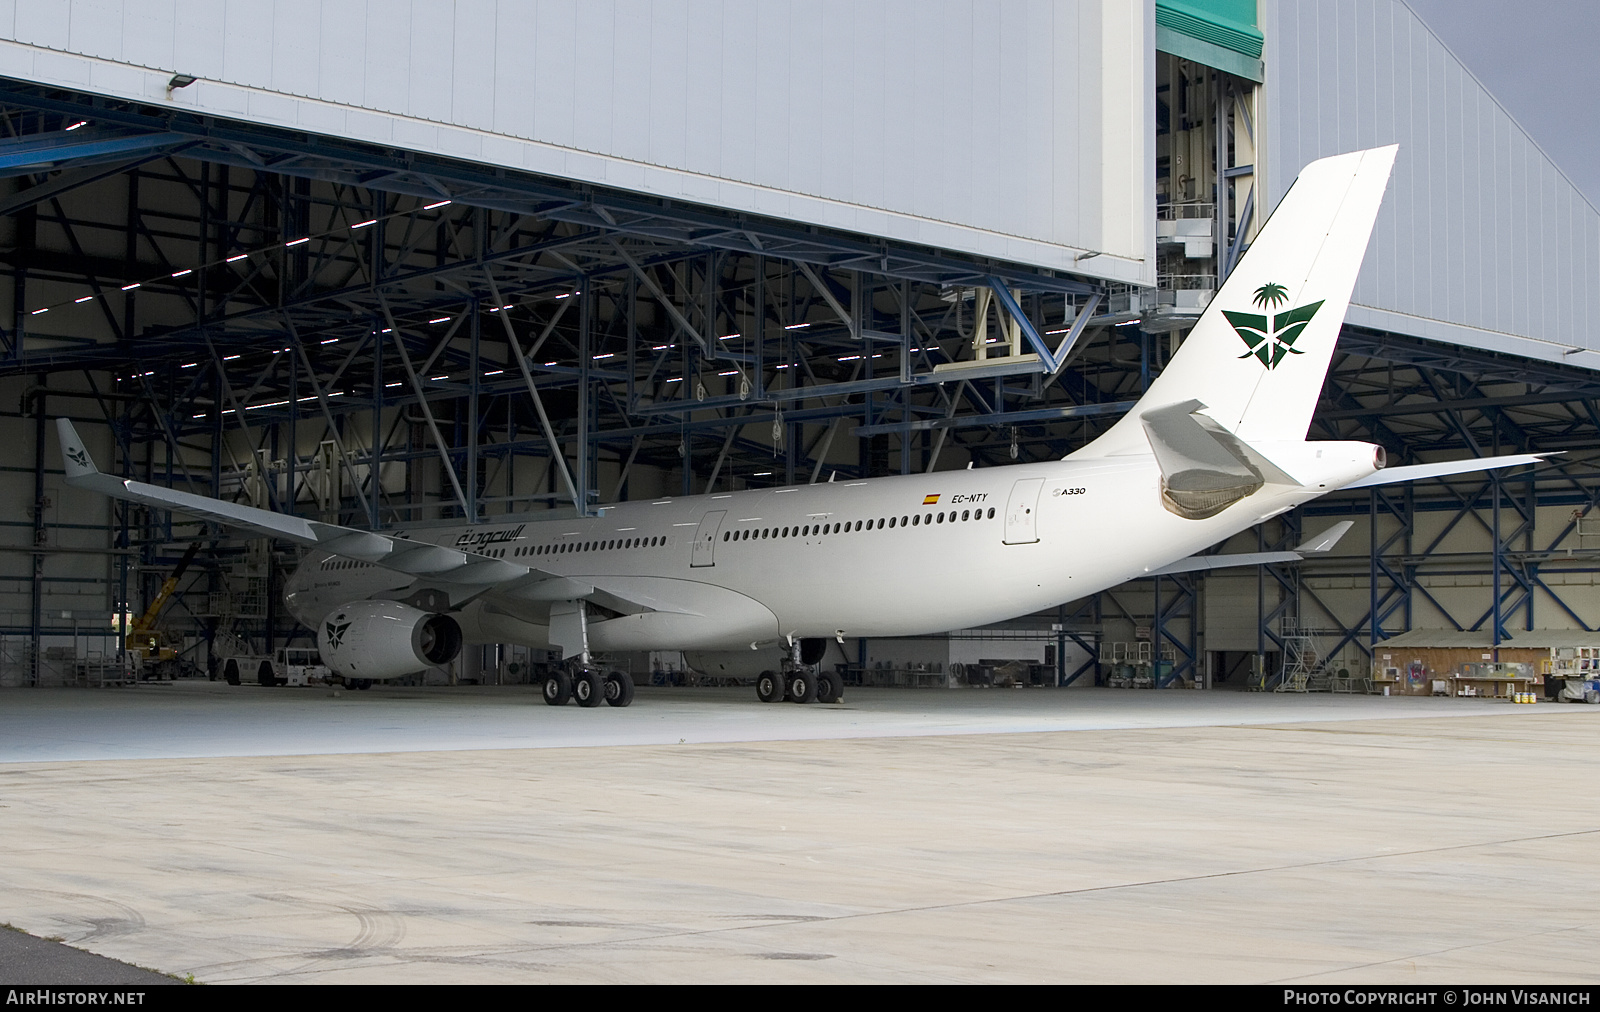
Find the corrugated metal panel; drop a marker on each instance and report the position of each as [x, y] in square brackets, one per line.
[1482, 241]
[1015, 128]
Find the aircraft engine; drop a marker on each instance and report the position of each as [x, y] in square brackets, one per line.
[386, 639]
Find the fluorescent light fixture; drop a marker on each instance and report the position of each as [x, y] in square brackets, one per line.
[436, 379]
[188, 365]
[727, 337]
[80, 123]
[86, 298]
[848, 358]
[549, 363]
[437, 203]
[387, 330]
[296, 242]
[329, 340]
[36, 312]
[441, 319]
[394, 384]
[235, 259]
[186, 270]
[129, 288]
[230, 358]
[780, 367]
[796, 326]
[494, 372]
[662, 347]
[674, 379]
[762, 474]
[729, 372]
[363, 224]
[609, 354]
[1061, 330]
[1129, 323]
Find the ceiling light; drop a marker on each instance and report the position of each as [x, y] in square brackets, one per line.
[363, 224]
[241, 256]
[296, 242]
[86, 298]
[129, 288]
[437, 203]
[81, 122]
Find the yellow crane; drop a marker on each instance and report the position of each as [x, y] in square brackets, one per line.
[143, 638]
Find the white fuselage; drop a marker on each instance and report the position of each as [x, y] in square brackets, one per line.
[894, 556]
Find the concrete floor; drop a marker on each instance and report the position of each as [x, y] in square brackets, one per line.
[1090, 835]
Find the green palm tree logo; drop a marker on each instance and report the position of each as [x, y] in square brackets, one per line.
[1271, 295]
[1270, 337]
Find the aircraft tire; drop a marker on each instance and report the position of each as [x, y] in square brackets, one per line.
[802, 687]
[769, 687]
[557, 688]
[619, 689]
[364, 684]
[830, 687]
[589, 688]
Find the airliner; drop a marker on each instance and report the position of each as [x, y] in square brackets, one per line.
[1216, 445]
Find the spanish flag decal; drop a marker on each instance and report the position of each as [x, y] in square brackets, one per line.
[929, 500]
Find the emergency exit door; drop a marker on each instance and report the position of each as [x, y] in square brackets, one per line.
[1022, 511]
[705, 539]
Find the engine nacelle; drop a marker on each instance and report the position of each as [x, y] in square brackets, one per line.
[386, 639]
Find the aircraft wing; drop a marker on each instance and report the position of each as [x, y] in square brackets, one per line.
[1412, 472]
[1317, 545]
[433, 563]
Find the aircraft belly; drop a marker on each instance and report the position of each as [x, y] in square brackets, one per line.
[693, 615]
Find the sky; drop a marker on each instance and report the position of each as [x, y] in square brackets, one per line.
[1536, 57]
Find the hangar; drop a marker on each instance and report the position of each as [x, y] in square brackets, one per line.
[491, 263]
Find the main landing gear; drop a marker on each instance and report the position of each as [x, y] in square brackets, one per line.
[588, 685]
[802, 679]
[580, 679]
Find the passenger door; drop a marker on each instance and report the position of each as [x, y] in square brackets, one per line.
[705, 539]
[1022, 512]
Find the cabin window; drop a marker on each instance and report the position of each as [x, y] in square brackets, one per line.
[915, 521]
[991, 512]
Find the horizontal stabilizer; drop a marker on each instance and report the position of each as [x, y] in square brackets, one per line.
[1325, 541]
[1201, 475]
[1415, 472]
[1316, 545]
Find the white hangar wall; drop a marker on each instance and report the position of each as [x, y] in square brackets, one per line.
[1018, 129]
[1482, 241]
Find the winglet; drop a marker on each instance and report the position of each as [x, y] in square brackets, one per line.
[74, 457]
[1325, 541]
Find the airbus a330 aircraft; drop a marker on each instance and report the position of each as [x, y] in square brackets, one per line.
[1216, 445]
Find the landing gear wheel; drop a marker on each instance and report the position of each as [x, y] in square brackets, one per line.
[769, 687]
[557, 688]
[619, 689]
[589, 688]
[802, 687]
[364, 684]
[830, 687]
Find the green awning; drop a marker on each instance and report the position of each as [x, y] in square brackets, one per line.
[1217, 33]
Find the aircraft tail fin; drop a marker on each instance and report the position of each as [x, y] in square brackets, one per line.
[1257, 357]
